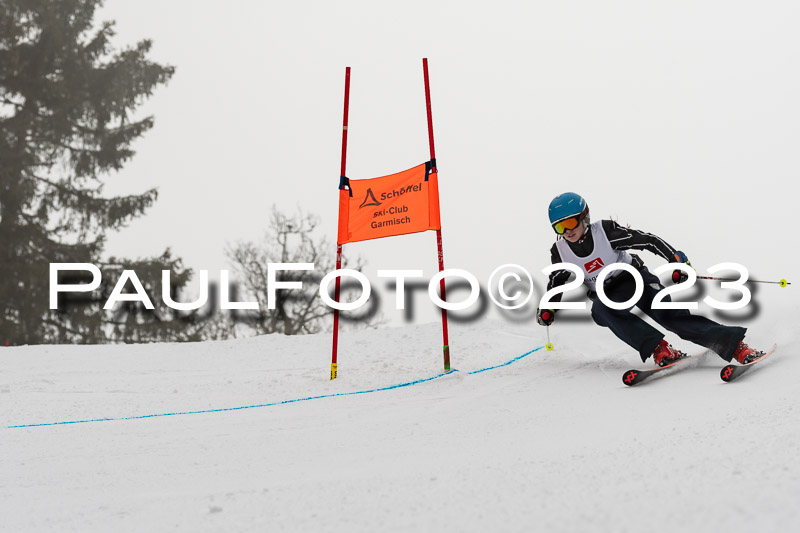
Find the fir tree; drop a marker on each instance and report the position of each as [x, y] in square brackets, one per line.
[67, 103]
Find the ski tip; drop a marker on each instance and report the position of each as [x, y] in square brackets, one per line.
[629, 377]
[727, 373]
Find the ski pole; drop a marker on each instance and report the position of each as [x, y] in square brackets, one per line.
[549, 345]
[782, 282]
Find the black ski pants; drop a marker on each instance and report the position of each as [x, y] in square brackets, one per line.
[643, 337]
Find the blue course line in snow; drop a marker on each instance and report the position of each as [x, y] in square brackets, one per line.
[506, 363]
[223, 409]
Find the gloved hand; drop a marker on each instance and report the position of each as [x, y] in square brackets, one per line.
[545, 317]
[679, 276]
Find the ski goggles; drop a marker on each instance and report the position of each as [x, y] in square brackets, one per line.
[562, 226]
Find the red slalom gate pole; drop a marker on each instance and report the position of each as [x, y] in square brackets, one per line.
[445, 341]
[337, 285]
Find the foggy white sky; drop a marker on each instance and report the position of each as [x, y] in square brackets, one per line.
[678, 118]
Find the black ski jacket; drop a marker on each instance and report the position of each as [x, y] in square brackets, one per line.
[621, 238]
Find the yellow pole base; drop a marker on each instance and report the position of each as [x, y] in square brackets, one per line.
[333, 370]
[549, 347]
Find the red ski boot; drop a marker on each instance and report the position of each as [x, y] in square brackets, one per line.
[665, 354]
[745, 354]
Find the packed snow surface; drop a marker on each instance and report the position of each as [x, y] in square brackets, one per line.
[550, 442]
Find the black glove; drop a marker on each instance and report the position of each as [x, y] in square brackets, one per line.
[679, 276]
[545, 317]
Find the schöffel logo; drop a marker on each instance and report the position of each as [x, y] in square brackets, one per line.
[369, 199]
[593, 265]
[400, 192]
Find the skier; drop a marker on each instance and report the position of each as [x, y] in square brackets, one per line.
[591, 246]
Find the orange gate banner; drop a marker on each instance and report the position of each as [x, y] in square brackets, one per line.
[406, 202]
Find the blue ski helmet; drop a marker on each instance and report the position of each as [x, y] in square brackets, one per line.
[567, 205]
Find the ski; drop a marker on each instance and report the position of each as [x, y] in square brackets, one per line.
[635, 376]
[733, 371]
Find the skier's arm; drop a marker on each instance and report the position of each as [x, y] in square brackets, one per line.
[558, 277]
[627, 239]
[631, 239]
[545, 317]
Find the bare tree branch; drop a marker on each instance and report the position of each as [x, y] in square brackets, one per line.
[289, 239]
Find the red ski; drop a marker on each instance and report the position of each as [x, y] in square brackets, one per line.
[733, 371]
[634, 377]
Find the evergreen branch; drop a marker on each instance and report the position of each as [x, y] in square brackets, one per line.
[11, 102]
[80, 193]
[66, 328]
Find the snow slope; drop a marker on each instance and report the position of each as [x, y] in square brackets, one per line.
[550, 442]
